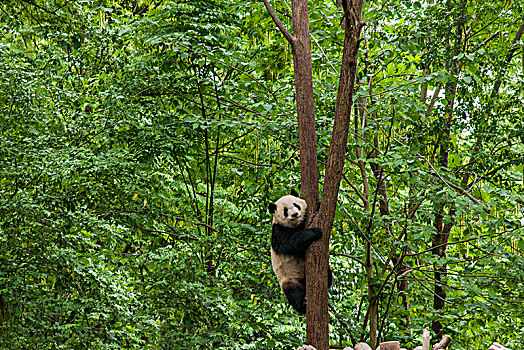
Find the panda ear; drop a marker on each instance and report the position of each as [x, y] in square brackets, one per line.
[294, 193]
[272, 207]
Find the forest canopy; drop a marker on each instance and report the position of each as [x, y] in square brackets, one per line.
[141, 142]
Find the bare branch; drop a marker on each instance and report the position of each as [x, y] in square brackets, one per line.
[419, 281]
[246, 162]
[433, 100]
[279, 24]
[509, 56]
[489, 39]
[230, 66]
[192, 222]
[461, 190]
[177, 235]
[323, 53]
[354, 189]
[351, 257]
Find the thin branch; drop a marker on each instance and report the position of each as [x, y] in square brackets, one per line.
[354, 189]
[431, 291]
[230, 66]
[42, 8]
[191, 222]
[323, 53]
[445, 244]
[433, 100]
[192, 200]
[366, 239]
[177, 235]
[246, 162]
[488, 40]
[509, 56]
[279, 24]
[351, 257]
[461, 190]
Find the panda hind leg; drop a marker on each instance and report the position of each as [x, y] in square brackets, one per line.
[296, 296]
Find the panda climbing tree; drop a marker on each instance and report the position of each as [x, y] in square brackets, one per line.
[317, 327]
[289, 240]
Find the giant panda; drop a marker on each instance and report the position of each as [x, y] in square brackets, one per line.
[289, 241]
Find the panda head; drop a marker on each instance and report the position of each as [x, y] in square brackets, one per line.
[289, 211]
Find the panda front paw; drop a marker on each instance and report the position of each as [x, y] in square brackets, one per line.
[317, 232]
[303, 308]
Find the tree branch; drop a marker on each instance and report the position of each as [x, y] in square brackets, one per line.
[509, 56]
[433, 100]
[351, 257]
[461, 190]
[230, 66]
[279, 24]
[456, 187]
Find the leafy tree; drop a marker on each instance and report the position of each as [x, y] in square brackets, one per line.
[141, 142]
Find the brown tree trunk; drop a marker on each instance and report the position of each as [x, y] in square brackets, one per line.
[440, 240]
[318, 254]
[317, 330]
[305, 104]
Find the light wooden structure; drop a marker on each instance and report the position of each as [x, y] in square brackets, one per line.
[395, 345]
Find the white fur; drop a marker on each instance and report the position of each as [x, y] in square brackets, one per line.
[288, 202]
[289, 269]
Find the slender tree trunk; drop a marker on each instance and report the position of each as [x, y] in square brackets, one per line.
[509, 57]
[441, 238]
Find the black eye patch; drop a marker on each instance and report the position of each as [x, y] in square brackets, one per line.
[296, 206]
[285, 212]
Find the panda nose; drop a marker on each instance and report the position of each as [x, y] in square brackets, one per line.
[295, 215]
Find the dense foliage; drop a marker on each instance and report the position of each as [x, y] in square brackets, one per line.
[141, 141]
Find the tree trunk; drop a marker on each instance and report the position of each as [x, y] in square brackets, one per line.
[318, 254]
[305, 104]
[317, 330]
[441, 238]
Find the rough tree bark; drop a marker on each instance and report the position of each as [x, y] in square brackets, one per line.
[318, 254]
[305, 104]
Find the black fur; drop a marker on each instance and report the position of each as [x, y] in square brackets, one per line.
[296, 293]
[293, 241]
[296, 296]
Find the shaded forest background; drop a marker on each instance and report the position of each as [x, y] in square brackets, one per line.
[141, 141]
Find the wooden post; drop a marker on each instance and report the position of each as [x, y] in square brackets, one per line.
[390, 345]
[425, 339]
[362, 346]
[443, 344]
